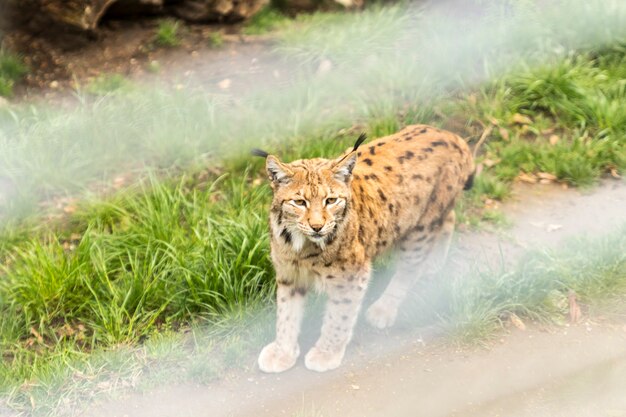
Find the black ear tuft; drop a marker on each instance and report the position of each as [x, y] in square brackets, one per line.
[359, 141]
[259, 152]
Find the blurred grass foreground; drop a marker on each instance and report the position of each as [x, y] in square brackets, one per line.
[90, 271]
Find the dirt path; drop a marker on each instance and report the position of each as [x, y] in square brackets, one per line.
[570, 371]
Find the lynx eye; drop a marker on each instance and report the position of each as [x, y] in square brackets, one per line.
[300, 203]
[331, 201]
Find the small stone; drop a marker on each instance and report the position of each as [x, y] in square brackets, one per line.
[225, 84]
[554, 227]
[554, 139]
[325, 66]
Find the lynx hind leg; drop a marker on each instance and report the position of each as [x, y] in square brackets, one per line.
[342, 310]
[421, 253]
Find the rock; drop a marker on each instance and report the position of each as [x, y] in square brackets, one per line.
[225, 84]
[84, 15]
[325, 66]
[310, 5]
[217, 10]
[125, 8]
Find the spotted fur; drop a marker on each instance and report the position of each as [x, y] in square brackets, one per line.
[330, 218]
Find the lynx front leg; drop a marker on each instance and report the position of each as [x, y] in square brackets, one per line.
[283, 352]
[342, 309]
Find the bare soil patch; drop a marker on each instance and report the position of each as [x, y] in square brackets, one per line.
[61, 60]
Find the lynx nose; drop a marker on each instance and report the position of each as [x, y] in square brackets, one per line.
[316, 228]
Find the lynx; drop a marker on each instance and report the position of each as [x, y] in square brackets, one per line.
[330, 217]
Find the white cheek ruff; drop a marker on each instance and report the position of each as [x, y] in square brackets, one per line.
[297, 240]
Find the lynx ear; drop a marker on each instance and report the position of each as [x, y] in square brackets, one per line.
[278, 172]
[342, 169]
[344, 166]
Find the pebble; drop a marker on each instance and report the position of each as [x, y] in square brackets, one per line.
[324, 67]
[224, 84]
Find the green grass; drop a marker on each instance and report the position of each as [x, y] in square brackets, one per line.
[108, 84]
[216, 40]
[267, 20]
[12, 70]
[168, 34]
[537, 288]
[150, 257]
[573, 100]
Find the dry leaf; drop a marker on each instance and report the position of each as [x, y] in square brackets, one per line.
[225, 84]
[516, 321]
[65, 331]
[118, 182]
[554, 227]
[554, 139]
[615, 174]
[490, 162]
[574, 310]
[521, 119]
[504, 133]
[479, 169]
[36, 334]
[494, 121]
[547, 176]
[69, 209]
[528, 178]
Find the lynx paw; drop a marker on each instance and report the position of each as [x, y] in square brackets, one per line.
[381, 314]
[274, 358]
[322, 361]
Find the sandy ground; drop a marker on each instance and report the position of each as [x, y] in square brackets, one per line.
[569, 371]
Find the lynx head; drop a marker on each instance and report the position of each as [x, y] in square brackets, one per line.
[311, 197]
